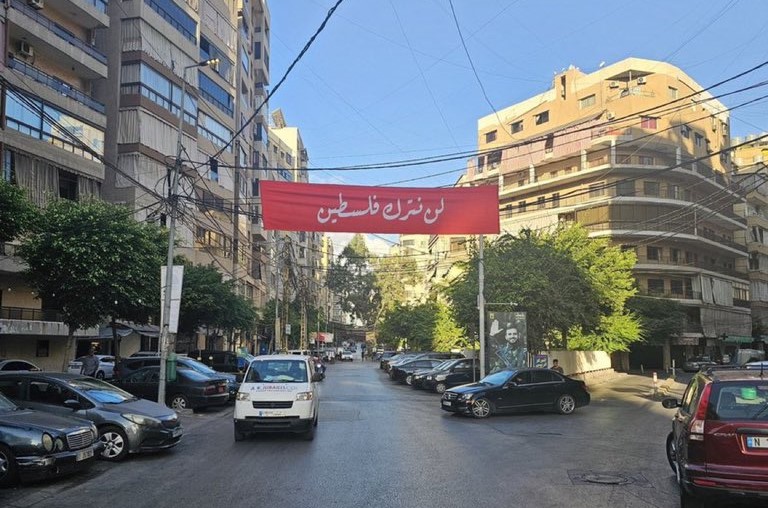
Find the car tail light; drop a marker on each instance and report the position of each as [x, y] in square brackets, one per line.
[210, 389]
[696, 430]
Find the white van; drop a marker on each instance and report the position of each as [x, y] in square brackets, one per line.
[278, 394]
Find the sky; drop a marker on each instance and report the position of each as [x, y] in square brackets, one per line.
[389, 80]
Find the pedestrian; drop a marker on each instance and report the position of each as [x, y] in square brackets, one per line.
[90, 364]
[556, 366]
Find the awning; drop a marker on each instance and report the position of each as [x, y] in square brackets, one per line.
[123, 329]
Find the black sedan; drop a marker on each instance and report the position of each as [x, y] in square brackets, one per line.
[38, 445]
[515, 390]
[450, 374]
[403, 372]
[190, 390]
[696, 363]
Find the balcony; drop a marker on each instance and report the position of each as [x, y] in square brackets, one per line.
[55, 84]
[685, 295]
[24, 314]
[58, 30]
[664, 260]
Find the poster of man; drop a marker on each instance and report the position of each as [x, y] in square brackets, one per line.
[507, 341]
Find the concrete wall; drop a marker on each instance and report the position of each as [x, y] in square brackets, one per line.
[583, 365]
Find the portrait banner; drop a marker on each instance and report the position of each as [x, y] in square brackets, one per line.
[289, 206]
[507, 341]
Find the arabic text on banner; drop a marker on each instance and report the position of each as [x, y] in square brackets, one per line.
[290, 206]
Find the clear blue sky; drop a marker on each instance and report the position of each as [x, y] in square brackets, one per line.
[389, 79]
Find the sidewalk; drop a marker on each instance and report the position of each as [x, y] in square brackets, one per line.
[643, 384]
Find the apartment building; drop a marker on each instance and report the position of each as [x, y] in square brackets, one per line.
[52, 140]
[635, 152]
[416, 248]
[749, 161]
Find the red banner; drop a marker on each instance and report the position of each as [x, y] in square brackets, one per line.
[356, 209]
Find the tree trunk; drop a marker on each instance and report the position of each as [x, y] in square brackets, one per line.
[68, 348]
[115, 340]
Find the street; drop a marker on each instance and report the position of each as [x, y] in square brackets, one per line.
[385, 445]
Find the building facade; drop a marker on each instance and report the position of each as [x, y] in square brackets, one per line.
[638, 153]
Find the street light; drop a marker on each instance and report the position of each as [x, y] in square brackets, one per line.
[164, 330]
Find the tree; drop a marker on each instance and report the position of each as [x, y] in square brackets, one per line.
[352, 278]
[447, 334]
[661, 318]
[92, 261]
[393, 275]
[423, 326]
[17, 213]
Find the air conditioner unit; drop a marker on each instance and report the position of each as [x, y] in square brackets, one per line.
[26, 50]
[613, 84]
[641, 81]
[36, 4]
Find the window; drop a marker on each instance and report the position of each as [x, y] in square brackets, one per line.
[625, 188]
[676, 287]
[209, 51]
[653, 253]
[672, 92]
[685, 131]
[541, 203]
[541, 118]
[521, 206]
[674, 255]
[494, 159]
[245, 62]
[549, 143]
[67, 185]
[520, 183]
[556, 200]
[651, 188]
[596, 190]
[655, 286]
[647, 122]
[9, 167]
[175, 16]
[43, 348]
[215, 94]
[257, 50]
[587, 101]
[516, 126]
[213, 131]
[754, 261]
[144, 80]
[544, 376]
[646, 160]
[490, 137]
[480, 163]
[673, 192]
[699, 140]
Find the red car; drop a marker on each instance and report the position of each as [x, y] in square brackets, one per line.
[718, 447]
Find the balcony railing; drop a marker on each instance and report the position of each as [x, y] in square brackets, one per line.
[684, 295]
[23, 314]
[681, 261]
[55, 84]
[57, 29]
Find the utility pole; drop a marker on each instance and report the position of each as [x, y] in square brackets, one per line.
[481, 304]
[278, 275]
[167, 343]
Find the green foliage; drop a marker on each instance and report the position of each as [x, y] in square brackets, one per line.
[660, 318]
[425, 326]
[352, 278]
[393, 275]
[17, 214]
[93, 261]
[615, 332]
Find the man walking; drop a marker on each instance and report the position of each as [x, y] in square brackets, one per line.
[556, 366]
[90, 365]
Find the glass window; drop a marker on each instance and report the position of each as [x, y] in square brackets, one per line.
[625, 188]
[653, 253]
[516, 126]
[541, 118]
[176, 17]
[490, 136]
[596, 190]
[214, 131]
[216, 94]
[647, 122]
[257, 50]
[543, 376]
[655, 286]
[277, 371]
[587, 101]
[651, 188]
[225, 65]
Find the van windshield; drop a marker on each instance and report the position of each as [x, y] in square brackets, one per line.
[277, 371]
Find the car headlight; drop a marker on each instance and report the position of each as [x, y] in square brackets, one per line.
[47, 442]
[304, 396]
[441, 377]
[242, 396]
[58, 444]
[465, 396]
[429, 378]
[143, 420]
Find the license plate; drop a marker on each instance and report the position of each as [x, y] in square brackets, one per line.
[177, 432]
[84, 454]
[757, 442]
[273, 413]
[446, 402]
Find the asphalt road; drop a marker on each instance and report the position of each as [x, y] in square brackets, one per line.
[382, 445]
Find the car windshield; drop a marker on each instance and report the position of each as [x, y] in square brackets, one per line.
[194, 375]
[277, 371]
[497, 378]
[6, 404]
[101, 391]
[197, 366]
[445, 365]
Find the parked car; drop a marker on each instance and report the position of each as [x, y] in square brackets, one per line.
[18, 365]
[190, 390]
[279, 394]
[424, 355]
[36, 445]
[220, 361]
[347, 356]
[403, 373]
[129, 365]
[744, 356]
[451, 373]
[696, 363]
[106, 366]
[417, 382]
[139, 354]
[385, 358]
[718, 446]
[513, 390]
[125, 423]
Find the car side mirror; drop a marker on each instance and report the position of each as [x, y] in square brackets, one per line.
[670, 403]
[510, 384]
[317, 377]
[73, 404]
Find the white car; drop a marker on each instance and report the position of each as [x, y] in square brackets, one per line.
[347, 356]
[17, 365]
[278, 394]
[106, 366]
